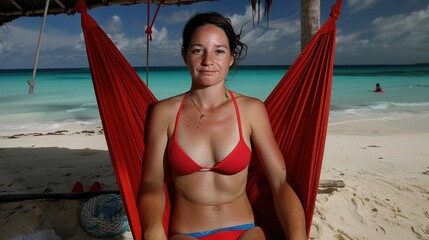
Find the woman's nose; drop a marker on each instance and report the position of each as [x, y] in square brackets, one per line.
[208, 58]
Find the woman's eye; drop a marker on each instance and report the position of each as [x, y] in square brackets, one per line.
[197, 51]
[219, 51]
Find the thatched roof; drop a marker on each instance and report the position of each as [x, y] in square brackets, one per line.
[13, 9]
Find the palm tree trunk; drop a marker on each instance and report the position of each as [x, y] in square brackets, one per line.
[310, 20]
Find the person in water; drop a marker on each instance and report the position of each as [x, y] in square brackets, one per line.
[207, 136]
[378, 88]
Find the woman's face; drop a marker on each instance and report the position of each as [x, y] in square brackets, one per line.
[208, 56]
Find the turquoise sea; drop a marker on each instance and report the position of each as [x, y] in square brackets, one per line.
[65, 96]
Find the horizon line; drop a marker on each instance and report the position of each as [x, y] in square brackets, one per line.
[247, 65]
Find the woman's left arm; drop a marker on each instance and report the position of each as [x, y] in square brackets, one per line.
[287, 204]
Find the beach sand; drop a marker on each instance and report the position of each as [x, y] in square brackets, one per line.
[385, 170]
[51, 162]
[384, 167]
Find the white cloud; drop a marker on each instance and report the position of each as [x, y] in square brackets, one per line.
[238, 21]
[386, 39]
[159, 35]
[62, 49]
[80, 43]
[113, 28]
[114, 24]
[396, 39]
[163, 49]
[134, 49]
[402, 30]
[287, 28]
[261, 40]
[359, 5]
[120, 40]
[19, 46]
[269, 36]
[177, 16]
[351, 44]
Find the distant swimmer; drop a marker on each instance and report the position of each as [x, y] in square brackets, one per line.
[378, 88]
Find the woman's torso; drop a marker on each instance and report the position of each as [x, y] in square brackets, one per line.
[214, 196]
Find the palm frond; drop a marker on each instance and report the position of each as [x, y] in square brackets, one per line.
[256, 7]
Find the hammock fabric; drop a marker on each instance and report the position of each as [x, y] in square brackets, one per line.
[298, 109]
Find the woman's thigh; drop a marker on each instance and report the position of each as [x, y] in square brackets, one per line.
[182, 237]
[255, 233]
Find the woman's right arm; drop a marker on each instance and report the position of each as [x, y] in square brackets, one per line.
[151, 197]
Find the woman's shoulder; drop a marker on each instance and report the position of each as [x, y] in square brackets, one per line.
[251, 108]
[248, 102]
[165, 107]
[253, 112]
[169, 102]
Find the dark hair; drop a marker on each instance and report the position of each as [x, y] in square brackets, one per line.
[238, 49]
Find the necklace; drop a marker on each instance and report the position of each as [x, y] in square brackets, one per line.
[202, 115]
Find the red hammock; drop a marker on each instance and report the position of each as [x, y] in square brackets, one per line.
[298, 108]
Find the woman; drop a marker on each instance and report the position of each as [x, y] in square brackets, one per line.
[207, 136]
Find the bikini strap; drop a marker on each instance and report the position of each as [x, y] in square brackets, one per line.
[178, 115]
[237, 112]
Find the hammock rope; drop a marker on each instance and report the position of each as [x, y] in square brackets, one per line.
[31, 82]
[148, 32]
[298, 108]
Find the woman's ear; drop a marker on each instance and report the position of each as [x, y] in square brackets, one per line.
[184, 55]
[232, 60]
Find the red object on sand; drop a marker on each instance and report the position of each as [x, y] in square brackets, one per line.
[78, 187]
[95, 187]
[298, 108]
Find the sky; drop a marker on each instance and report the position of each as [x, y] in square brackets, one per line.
[368, 32]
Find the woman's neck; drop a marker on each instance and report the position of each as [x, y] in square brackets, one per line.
[209, 98]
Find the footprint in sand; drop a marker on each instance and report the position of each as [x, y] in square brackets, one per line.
[316, 230]
[86, 153]
[420, 231]
[342, 236]
[17, 180]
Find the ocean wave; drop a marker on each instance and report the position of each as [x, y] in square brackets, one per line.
[83, 107]
[387, 105]
[383, 73]
[403, 106]
[46, 126]
[385, 111]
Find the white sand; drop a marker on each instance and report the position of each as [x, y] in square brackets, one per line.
[54, 161]
[51, 162]
[386, 193]
[384, 166]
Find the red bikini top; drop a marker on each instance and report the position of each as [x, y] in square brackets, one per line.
[236, 161]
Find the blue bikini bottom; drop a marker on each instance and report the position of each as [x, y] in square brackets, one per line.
[210, 232]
